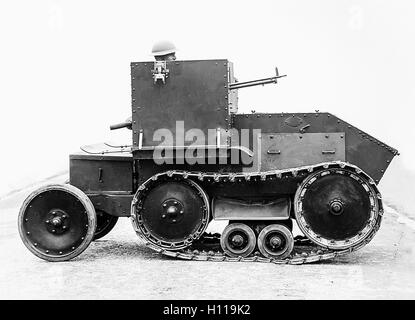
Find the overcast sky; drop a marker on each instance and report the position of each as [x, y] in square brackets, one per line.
[65, 77]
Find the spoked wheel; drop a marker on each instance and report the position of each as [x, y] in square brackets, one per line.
[57, 222]
[170, 213]
[275, 241]
[105, 223]
[238, 239]
[336, 208]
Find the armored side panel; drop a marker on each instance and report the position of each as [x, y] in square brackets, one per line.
[108, 180]
[101, 173]
[289, 150]
[361, 149]
[194, 94]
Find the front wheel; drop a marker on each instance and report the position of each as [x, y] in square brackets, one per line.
[57, 222]
[105, 223]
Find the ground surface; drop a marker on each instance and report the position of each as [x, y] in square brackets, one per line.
[120, 267]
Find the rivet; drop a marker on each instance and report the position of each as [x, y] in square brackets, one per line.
[28, 232]
[47, 251]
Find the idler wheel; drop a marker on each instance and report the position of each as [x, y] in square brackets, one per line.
[57, 222]
[336, 208]
[105, 223]
[238, 240]
[171, 213]
[275, 241]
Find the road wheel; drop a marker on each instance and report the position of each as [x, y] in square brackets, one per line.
[238, 239]
[275, 241]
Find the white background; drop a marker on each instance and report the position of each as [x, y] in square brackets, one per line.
[65, 67]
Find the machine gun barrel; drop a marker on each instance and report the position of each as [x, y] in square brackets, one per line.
[251, 83]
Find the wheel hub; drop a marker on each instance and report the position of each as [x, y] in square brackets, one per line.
[237, 240]
[275, 242]
[172, 211]
[336, 207]
[57, 221]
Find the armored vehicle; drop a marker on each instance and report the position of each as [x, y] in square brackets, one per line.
[195, 159]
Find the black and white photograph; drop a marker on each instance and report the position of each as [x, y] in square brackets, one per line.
[210, 152]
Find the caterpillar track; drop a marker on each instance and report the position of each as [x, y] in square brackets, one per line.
[201, 246]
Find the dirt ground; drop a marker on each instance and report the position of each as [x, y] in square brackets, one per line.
[119, 266]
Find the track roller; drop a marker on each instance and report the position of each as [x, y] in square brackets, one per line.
[275, 241]
[238, 240]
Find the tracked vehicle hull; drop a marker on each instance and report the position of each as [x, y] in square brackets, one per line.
[263, 173]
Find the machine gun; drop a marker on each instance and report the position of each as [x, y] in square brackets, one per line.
[239, 85]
